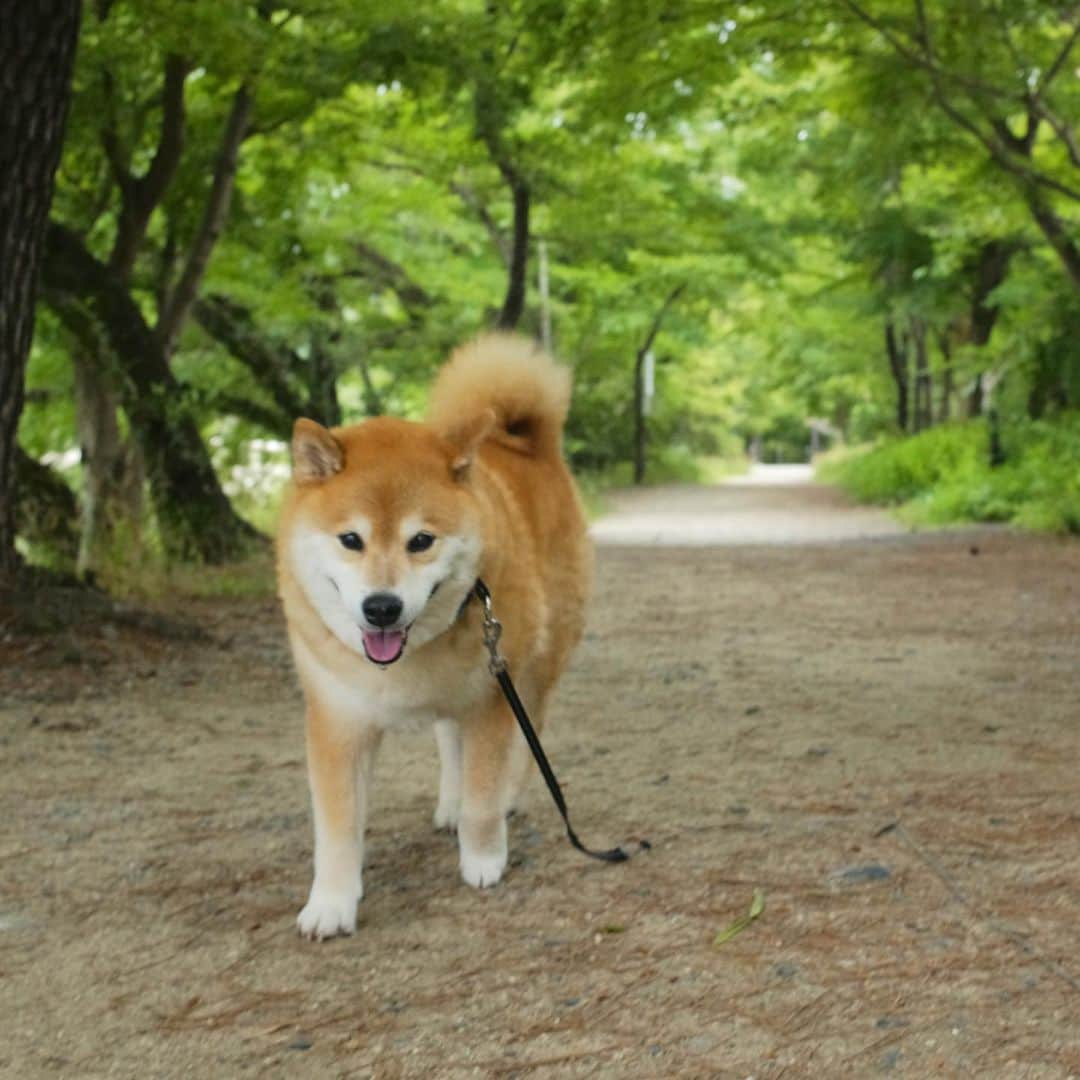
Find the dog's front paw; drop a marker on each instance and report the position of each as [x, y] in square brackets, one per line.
[482, 871]
[327, 914]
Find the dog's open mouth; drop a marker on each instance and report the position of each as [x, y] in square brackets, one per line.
[384, 646]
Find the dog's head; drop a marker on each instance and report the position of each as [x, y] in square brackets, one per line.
[383, 531]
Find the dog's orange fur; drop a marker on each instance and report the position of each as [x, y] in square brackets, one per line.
[485, 469]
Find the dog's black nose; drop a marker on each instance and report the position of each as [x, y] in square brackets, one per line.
[382, 608]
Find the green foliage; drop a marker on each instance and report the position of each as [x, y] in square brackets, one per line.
[944, 475]
[804, 173]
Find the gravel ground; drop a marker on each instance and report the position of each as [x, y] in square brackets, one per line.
[877, 734]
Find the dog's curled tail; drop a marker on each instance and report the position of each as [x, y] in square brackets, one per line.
[527, 390]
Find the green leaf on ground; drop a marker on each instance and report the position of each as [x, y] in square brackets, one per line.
[757, 907]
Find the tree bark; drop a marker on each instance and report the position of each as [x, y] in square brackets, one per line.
[517, 279]
[112, 467]
[195, 518]
[47, 512]
[37, 52]
[991, 268]
[898, 366]
[975, 398]
[947, 377]
[924, 414]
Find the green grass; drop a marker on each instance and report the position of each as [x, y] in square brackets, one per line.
[943, 476]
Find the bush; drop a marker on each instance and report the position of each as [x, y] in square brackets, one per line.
[944, 475]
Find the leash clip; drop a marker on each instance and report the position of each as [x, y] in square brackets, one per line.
[492, 633]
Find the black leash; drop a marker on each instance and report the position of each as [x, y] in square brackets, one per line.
[497, 667]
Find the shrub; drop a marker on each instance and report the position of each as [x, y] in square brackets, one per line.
[944, 475]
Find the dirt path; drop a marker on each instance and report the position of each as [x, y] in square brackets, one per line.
[771, 504]
[881, 735]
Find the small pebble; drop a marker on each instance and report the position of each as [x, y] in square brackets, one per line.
[859, 875]
[886, 1023]
[890, 1059]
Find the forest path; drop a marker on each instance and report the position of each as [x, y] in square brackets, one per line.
[770, 504]
[880, 735]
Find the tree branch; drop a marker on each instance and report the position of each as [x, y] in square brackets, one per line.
[922, 60]
[1058, 63]
[1001, 144]
[215, 212]
[1060, 128]
[647, 344]
[232, 326]
[1053, 228]
[639, 386]
[254, 413]
[498, 237]
[140, 196]
[393, 275]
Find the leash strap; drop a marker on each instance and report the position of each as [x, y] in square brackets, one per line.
[497, 667]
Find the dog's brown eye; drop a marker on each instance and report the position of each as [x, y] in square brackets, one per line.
[352, 541]
[420, 542]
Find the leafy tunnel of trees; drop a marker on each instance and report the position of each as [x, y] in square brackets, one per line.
[858, 215]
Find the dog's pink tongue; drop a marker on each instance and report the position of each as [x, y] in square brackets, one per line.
[384, 645]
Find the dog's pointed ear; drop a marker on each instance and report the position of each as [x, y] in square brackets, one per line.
[466, 441]
[316, 454]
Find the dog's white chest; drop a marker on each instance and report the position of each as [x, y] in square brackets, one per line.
[395, 696]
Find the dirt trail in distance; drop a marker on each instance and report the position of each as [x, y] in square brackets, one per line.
[784, 693]
[770, 504]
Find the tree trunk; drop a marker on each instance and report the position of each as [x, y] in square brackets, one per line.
[37, 51]
[975, 398]
[112, 467]
[323, 403]
[517, 282]
[194, 516]
[947, 377]
[47, 512]
[990, 270]
[924, 415]
[640, 433]
[898, 365]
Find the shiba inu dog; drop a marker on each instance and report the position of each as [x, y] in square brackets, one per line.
[385, 529]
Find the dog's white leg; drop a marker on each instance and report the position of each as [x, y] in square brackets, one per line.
[448, 736]
[485, 797]
[339, 769]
